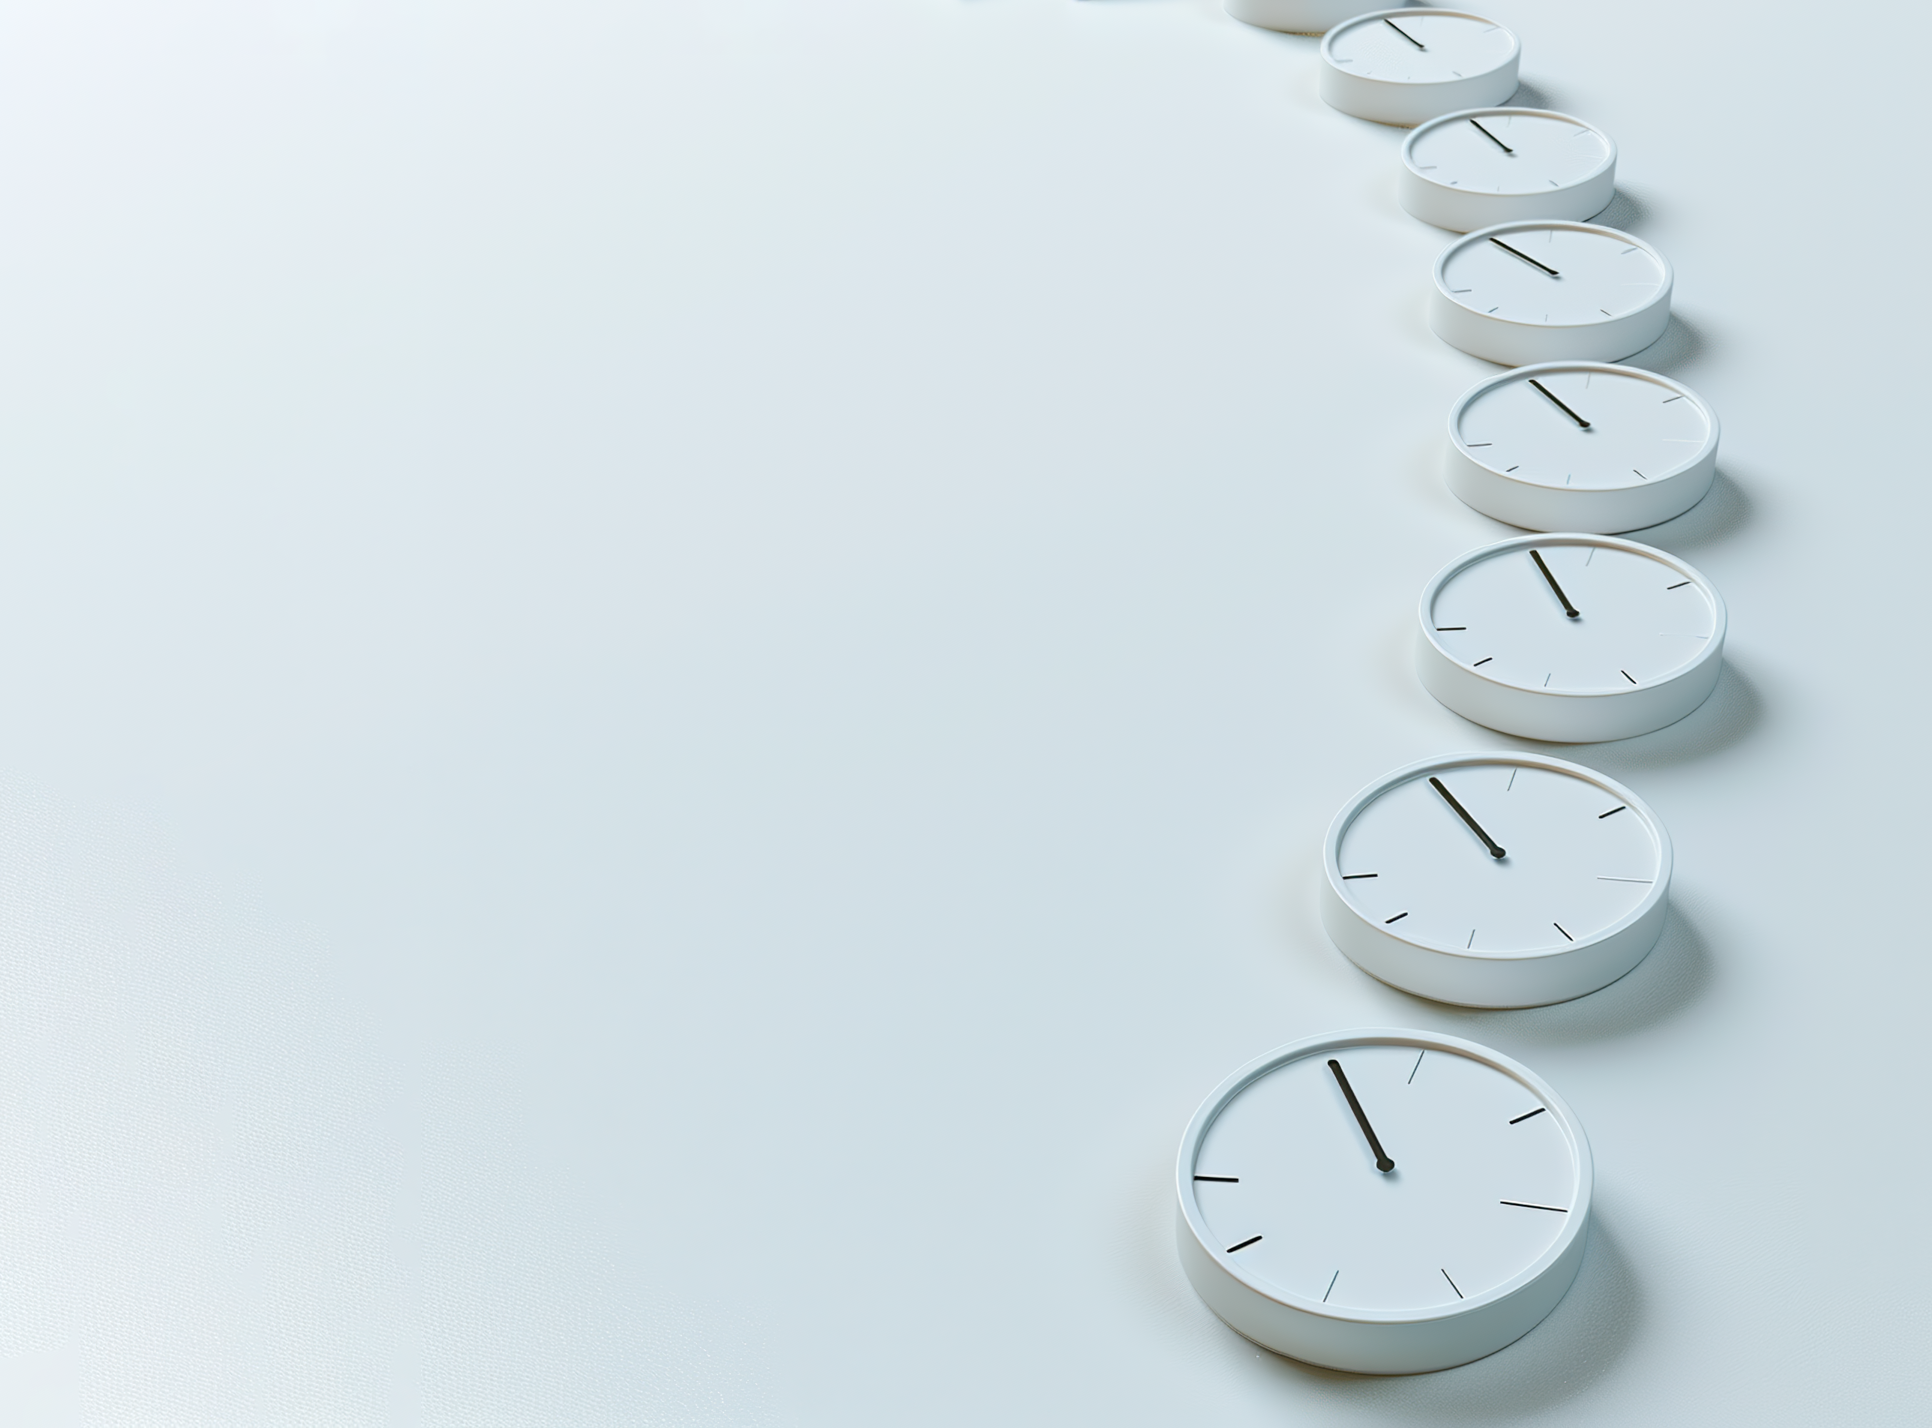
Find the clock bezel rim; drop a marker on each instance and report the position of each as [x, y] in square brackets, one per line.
[1577, 1221]
[1713, 647]
[1574, 364]
[1408, 773]
[1408, 148]
[1342, 27]
[1518, 225]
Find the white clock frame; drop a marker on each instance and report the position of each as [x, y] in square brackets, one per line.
[1568, 716]
[1478, 978]
[1658, 495]
[1461, 209]
[1294, 17]
[1379, 1341]
[1406, 102]
[1514, 343]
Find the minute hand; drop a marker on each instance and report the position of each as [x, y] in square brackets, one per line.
[1496, 850]
[1382, 1161]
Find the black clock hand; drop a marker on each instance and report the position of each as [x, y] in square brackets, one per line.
[1405, 34]
[1496, 850]
[1492, 138]
[1562, 405]
[1382, 1161]
[1516, 253]
[1568, 608]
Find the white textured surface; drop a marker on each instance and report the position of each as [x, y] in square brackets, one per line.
[674, 673]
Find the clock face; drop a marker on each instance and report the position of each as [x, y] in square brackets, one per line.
[1508, 151]
[1420, 46]
[1583, 426]
[1554, 275]
[1485, 1175]
[1490, 855]
[1573, 615]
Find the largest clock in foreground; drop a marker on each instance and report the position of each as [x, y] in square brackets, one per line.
[1383, 1202]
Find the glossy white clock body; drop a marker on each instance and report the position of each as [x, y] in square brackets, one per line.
[1581, 446]
[1292, 1235]
[1405, 66]
[1480, 167]
[1416, 897]
[1499, 645]
[1297, 17]
[1541, 290]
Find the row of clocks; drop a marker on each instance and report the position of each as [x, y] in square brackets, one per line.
[1394, 1201]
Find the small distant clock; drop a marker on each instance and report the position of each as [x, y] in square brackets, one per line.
[1485, 166]
[1581, 446]
[1297, 17]
[1496, 880]
[1570, 638]
[1542, 291]
[1405, 66]
[1383, 1202]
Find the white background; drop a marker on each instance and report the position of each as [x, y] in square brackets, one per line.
[673, 673]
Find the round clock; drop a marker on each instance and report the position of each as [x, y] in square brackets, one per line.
[1496, 880]
[1570, 638]
[1297, 17]
[1485, 166]
[1581, 446]
[1405, 66]
[1543, 290]
[1383, 1201]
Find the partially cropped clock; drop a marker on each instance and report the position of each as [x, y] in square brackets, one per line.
[1496, 879]
[1297, 17]
[1383, 1202]
[1543, 290]
[1405, 66]
[1570, 638]
[1581, 446]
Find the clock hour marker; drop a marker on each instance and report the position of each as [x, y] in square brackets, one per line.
[1405, 34]
[1444, 629]
[1397, 918]
[1492, 138]
[1517, 1122]
[1618, 809]
[1559, 927]
[1628, 675]
[1562, 405]
[1415, 1068]
[1678, 586]
[1568, 608]
[1225, 1179]
[1523, 1205]
[1518, 253]
[1350, 877]
[1331, 1285]
[1452, 1283]
[1607, 878]
[1382, 1161]
[1257, 1240]
[1496, 850]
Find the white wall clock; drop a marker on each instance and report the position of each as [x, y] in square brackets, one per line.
[1496, 880]
[1570, 638]
[1405, 66]
[1485, 166]
[1383, 1201]
[1543, 290]
[1581, 446]
[1297, 17]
